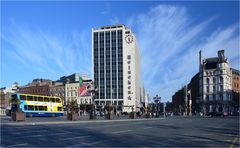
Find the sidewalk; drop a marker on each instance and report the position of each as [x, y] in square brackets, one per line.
[62, 120]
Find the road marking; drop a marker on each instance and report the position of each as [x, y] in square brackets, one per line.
[147, 127]
[201, 140]
[79, 137]
[117, 132]
[25, 132]
[21, 144]
[60, 133]
[207, 134]
[235, 141]
[31, 136]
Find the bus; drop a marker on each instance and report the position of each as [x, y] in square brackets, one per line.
[37, 105]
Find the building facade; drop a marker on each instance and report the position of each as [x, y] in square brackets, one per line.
[5, 96]
[73, 78]
[37, 87]
[58, 90]
[71, 91]
[116, 67]
[235, 89]
[215, 84]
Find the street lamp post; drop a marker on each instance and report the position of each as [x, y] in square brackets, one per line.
[93, 109]
[157, 101]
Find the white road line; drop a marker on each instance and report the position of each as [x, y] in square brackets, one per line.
[147, 127]
[21, 144]
[60, 133]
[79, 137]
[207, 134]
[117, 132]
[31, 136]
[25, 132]
[201, 140]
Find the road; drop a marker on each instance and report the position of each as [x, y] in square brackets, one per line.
[169, 132]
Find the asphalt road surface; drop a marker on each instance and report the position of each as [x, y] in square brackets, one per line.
[169, 132]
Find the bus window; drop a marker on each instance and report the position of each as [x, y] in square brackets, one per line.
[14, 96]
[46, 99]
[52, 99]
[35, 98]
[30, 107]
[59, 108]
[30, 98]
[35, 107]
[22, 97]
[40, 99]
[41, 108]
[25, 107]
[45, 108]
[58, 100]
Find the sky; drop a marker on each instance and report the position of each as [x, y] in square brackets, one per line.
[53, 39]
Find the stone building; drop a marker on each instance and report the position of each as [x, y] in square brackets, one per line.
[58, 90]
[37, 87]
[236, 89]
[215, 84]
[5, 96]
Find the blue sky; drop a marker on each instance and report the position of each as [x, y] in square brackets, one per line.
[52, 39]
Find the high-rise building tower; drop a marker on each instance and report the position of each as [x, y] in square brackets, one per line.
[116, 67]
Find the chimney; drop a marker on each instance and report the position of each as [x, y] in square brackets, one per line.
[200, 60]
[221, 54]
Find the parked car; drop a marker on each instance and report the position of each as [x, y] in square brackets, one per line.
[217, 114]
[124, 113]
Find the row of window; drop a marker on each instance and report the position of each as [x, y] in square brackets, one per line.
[40, 99]
[214, 80]
[214, 88]
[38, 108]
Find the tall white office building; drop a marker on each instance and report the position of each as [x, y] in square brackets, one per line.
[116, 67]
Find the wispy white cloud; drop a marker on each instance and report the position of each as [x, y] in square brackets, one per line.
[114, 21]
[38, 50]
[170, 39]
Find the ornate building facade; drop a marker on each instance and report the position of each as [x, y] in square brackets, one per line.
[215, 84]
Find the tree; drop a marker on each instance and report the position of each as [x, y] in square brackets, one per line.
[73, 106]
[109, 109]
[17, 114]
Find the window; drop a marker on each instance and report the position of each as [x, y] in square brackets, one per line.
[46, 99]
[214, 89]
[25, 107]
[221, 79]
[221, 88]
[207, 97]
[207, 80]
[40, 99]
[22, 97]
[36, 108]
[45, 108]
[41, 108]
[58, 100]
[52, 99]
[35, 98]
[30, 107]
[30, 98]
[59, 108]
[214, 80]
[208, 89]
[214, 97]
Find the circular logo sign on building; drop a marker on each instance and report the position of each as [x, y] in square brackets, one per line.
[129, 39]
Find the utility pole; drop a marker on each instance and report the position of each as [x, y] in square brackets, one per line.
[186, 100]
[190, 104]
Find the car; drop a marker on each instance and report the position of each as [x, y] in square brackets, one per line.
[216, 114]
